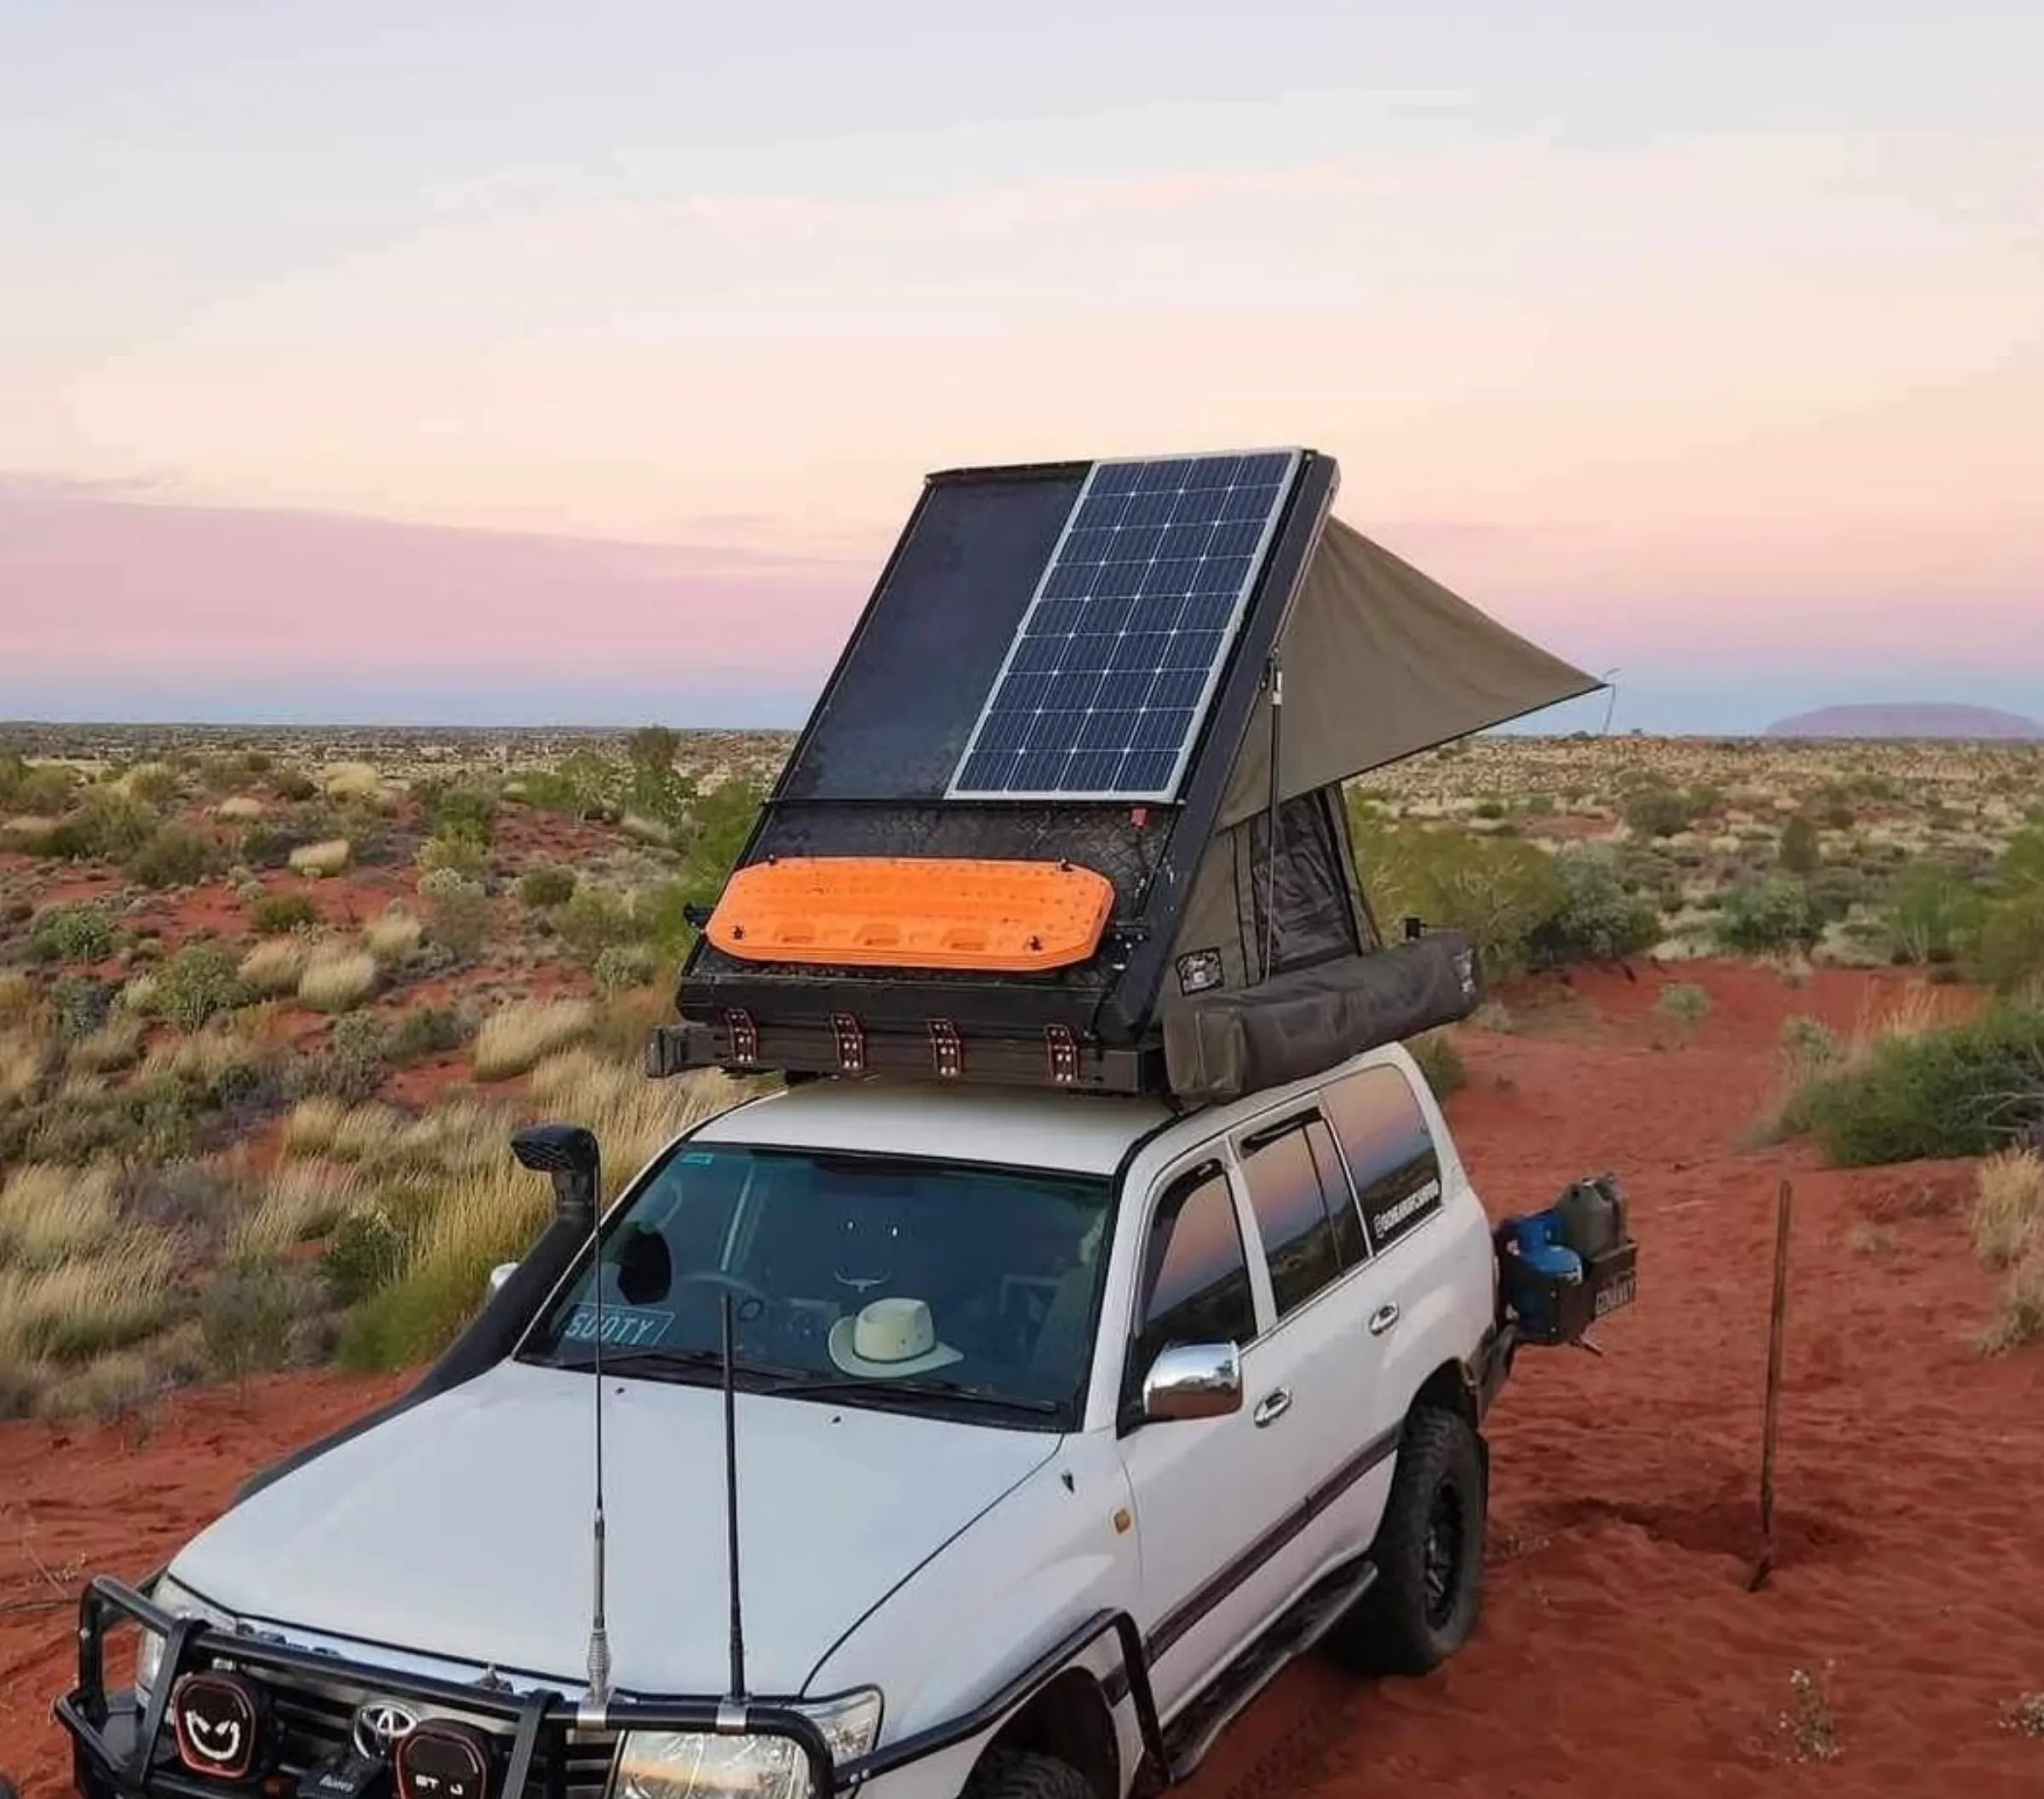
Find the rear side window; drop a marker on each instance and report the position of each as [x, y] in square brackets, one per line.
[1305, 1211]
[1195, 1274]
[1391, 1153]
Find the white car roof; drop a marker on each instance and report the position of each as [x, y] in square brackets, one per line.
[1085, 1133]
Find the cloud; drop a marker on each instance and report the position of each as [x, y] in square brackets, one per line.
[107, 590]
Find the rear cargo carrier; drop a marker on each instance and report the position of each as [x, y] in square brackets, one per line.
[1070, 810]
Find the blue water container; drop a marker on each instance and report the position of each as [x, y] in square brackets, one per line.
[1538, 1267]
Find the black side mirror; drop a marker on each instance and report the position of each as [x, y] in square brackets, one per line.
[569, 1154]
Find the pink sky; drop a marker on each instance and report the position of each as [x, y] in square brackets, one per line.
[1697, 367]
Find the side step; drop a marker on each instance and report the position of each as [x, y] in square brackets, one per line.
[1196, 1729]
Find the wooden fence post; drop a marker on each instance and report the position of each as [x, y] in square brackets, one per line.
[1783, 1206]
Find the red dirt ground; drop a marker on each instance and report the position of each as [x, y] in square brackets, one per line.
[1619, 1652]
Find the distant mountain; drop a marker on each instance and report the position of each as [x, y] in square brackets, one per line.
[1961, 722]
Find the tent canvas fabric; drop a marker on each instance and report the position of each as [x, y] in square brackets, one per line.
[1380, 663]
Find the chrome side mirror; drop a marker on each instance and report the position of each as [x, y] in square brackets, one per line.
[1192, 1380]
[499, 1274]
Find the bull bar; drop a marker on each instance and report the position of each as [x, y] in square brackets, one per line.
[140, 1770]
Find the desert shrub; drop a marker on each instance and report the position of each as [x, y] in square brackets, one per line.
[153, 783]
[1930, 910]
[365, 1253]
[1660, 812]
[457, 912]
[1596, 919]
[1800, 853]
[245, 1318]
[353, 1063]
[42, 788]
[276, 967]
[86, 1305]
[1440, 1062]
[201, 981]
[109, 827]
[463, 855]
[1959, 1090]
[595, 920]
[292, 785]
[115, 1045]
[424, 1030]
[1808, 1044]
[2008, 953]
[625, 964]
[176, 856]
[79, 931]
[1774, 914]
[276, 913]
[2008, 1207]
[337, 980]
[547, 885]
[511, 1041]
[144, 1120]
[317, 859]
[19, 995]
[392, 938]
[1684, 1002]
[50, 1213]
[2018, 1318]
[301, 1201]
[1500, 890]
[80, 1004]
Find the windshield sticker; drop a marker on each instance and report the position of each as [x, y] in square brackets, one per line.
[629, 1327]
[697, 1158]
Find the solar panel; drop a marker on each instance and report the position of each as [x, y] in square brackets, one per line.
[1108, 678]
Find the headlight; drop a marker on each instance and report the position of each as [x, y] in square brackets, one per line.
[658, 1764]
[170, 1598]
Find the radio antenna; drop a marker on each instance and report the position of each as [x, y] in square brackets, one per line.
[730, 1505]
[599, 1637]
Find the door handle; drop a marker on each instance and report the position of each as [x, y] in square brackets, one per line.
[1384, 1318]
[1271, 1408]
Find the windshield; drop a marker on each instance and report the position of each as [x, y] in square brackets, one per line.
[885, 1280]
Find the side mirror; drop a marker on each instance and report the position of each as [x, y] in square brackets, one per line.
[569, 1153]
[499, 1274]
[1192, 1380]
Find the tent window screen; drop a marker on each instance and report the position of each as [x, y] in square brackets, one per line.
[1111, 671]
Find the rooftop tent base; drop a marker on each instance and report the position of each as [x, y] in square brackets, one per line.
[1213, 1047]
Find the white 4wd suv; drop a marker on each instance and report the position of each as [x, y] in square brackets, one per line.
[1058, 1424]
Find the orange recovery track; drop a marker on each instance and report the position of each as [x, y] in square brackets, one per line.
[1004, 916]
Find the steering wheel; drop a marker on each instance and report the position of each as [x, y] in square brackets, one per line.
[736, 1285]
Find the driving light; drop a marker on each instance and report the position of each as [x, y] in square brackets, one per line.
[659, 1764]
[168, 1597]
[218, 1721]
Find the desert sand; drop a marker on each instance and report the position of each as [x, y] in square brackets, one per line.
[1619, 1652]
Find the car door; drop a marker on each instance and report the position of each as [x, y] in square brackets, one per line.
[1312, 1380]
[1206, 1490]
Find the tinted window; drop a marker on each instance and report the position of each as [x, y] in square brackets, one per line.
[1391, 1154]
[1303, 1210]
[1195, 1274]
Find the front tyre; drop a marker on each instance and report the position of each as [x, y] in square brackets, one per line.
[1014, 1774]
[1428, 1554]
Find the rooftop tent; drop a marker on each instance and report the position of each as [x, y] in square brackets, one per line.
[1025, 834]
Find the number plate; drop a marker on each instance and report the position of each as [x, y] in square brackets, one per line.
[1619, 1293]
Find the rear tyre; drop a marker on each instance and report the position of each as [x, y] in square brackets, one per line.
[1428, 1554]
[1015, 1773]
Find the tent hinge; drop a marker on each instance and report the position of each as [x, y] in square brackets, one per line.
[851, 1043]
[745, 1035]
[1063, 1049]
[946, 1051]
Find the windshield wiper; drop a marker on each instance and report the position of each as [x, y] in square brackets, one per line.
[670, 1361]
[804, 1387]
